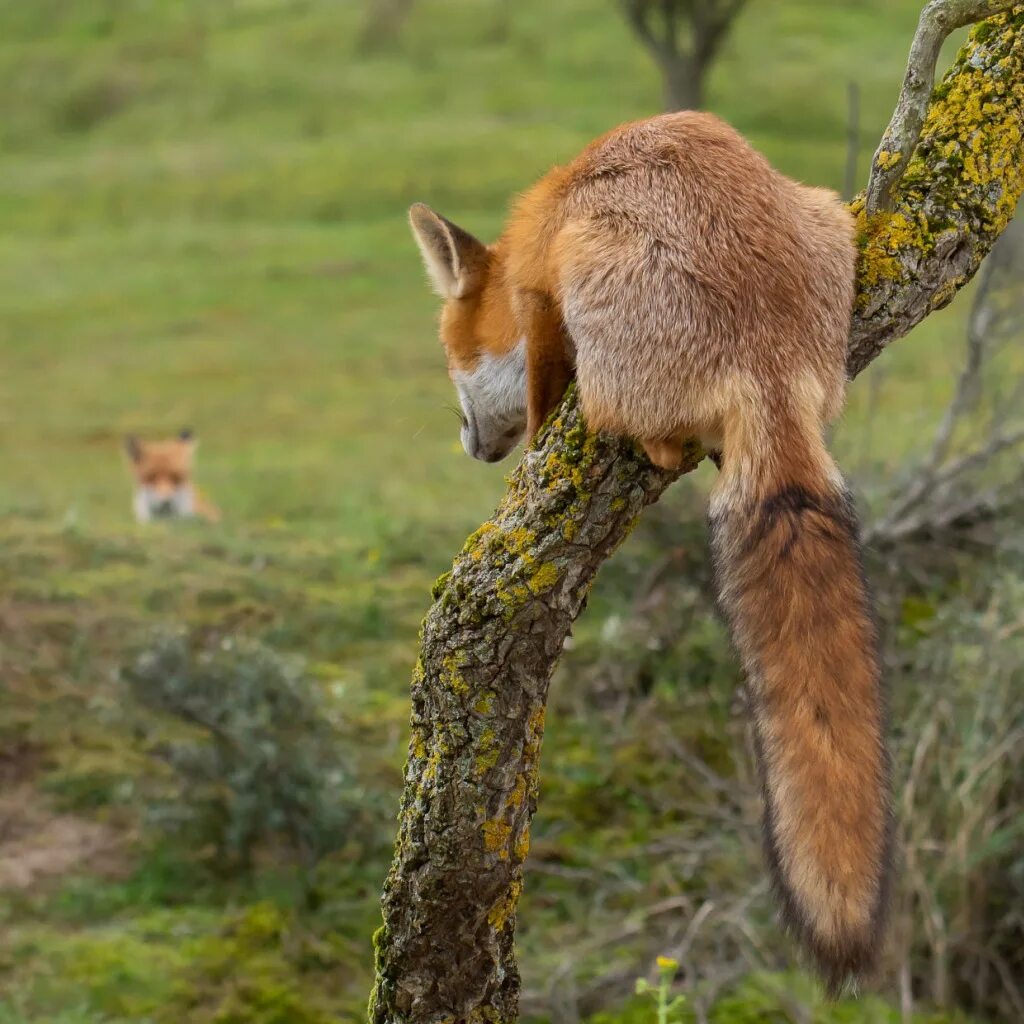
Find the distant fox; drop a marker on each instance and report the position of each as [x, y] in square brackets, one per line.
[163, 479]
[696, 292]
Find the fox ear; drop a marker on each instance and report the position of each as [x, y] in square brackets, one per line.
[187, 434]
[132, 447]
[454, 259]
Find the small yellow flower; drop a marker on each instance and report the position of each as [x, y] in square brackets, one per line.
[666, 963]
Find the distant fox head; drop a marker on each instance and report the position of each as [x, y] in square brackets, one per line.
[486, 354]
[163, 477]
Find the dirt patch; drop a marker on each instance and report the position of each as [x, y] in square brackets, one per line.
[38, 845]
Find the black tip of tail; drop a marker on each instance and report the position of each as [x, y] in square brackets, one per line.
[842, 971]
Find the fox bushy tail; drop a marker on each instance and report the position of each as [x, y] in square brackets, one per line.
[790, 581]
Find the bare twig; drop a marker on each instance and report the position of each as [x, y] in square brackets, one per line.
[945, 492]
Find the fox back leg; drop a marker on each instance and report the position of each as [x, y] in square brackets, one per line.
[666, 453]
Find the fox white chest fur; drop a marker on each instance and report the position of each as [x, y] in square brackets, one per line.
[151, 503]
[493, 399]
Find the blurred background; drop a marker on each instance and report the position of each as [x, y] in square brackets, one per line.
[202, 727]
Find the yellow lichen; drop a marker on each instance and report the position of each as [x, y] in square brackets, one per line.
[535, 725]
[522, 847]
[945, 292]
[437, 755]
[885, 159]
[451, 675]
[544, 578]
[512, 597]
[970, 157]
[487, 752]
[485, 703]
[518, 541]
[883, 237]
[518, 794]
[496, 836]
[505, 907]
[474, 539]
[484, 1015]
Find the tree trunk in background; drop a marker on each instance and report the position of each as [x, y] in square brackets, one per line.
[384, 23]
[683, 37]
[500, 617]
[684, 84]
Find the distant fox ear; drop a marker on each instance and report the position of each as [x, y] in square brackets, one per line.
[454, 259]
[132, 447]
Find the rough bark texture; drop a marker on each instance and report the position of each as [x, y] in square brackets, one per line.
[938, 19]
[956, 197]
[490, 644]
[500, 617]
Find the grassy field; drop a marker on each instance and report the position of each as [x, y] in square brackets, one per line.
[202, 223]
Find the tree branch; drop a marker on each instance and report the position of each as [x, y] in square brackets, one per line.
[958, 194]
[641, 15]
[938, 19]
[711, 24]
[501, 615]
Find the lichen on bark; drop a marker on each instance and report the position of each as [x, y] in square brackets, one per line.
[957, 195]
[938, 19]
[489, 645]
[501, 615]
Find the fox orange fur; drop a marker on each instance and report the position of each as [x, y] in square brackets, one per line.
[163, 480]
[695, 291]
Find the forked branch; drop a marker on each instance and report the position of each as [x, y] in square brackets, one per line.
[938, 19]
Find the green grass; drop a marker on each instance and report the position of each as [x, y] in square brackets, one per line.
[202, 223]
[203, 211]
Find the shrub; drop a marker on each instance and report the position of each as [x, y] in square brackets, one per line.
[259, 760]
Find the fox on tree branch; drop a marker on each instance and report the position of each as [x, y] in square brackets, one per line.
[696, 292]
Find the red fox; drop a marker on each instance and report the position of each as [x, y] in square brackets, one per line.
[163, 480]
[697, 292]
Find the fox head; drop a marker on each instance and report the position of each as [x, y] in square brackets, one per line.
[486, 352]
[163, 477]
